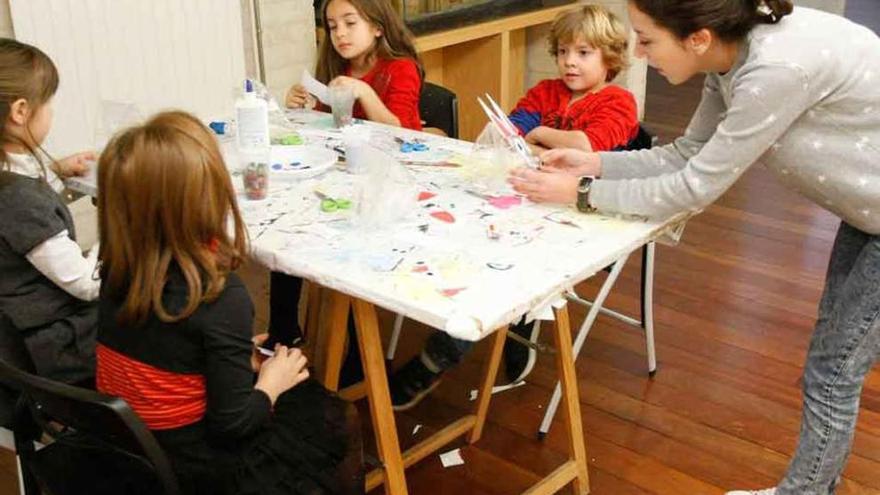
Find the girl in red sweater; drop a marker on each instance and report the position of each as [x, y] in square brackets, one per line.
[367, 47]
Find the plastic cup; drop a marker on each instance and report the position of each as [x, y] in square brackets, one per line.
[342, 105]
[256, 180]
[356, 139]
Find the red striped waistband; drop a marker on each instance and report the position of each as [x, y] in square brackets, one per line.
[163, 399]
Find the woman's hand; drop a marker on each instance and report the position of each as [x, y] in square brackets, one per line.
[543, 186]
[572, 162]
[257, 358]
[281, 372]
[78, 164]
[298, 97]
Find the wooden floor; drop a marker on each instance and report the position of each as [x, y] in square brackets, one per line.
[735, 305]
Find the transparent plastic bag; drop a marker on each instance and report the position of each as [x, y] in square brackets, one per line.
[387, 191]
[492, 159]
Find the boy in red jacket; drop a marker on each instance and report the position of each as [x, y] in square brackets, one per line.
[581, 109]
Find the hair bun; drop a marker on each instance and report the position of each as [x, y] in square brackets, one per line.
[772, 11]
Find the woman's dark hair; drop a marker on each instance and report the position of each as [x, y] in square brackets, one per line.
[730, 20]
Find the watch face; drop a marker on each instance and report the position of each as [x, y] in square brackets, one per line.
[584, 184]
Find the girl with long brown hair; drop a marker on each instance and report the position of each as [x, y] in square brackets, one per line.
[793, 89]
[367, 48]
[48, 287]
[175, 338]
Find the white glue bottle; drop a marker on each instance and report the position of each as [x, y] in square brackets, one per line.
[252, 120]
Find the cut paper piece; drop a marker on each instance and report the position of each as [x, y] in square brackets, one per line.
[473, 395]
[425, 195]
[451, 458]
[503, 388]
[416, 429]
[544, 311]
[452, 292]
[504, 202]
[560, 302]
[443, 216]
[315, 87]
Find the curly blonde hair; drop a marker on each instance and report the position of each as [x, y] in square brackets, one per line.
[598, 27]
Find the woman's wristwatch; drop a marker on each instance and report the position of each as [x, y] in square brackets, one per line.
[583, 198]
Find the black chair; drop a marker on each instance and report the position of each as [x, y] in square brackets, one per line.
[97, 444]
[438, 108]
[643, 140]
[14, 352]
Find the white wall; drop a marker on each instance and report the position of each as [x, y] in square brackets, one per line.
[833, 6]
[289, 43]
[5, 20]
[288, 39]
[155, 55]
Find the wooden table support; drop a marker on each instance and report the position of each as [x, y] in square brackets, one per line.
[391, 474]
[384, 427]
[571, 405]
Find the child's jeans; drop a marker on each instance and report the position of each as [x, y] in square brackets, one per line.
[844, 346]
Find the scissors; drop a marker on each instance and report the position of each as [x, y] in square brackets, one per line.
[411, 146]
[508, 131]
[329, 205]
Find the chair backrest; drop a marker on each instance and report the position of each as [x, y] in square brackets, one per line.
[108, 420]
[438, 107]
[643, 141]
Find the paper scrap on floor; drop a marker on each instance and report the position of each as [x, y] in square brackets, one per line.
[451, 458]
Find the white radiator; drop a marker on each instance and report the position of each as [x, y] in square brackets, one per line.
[155, 54]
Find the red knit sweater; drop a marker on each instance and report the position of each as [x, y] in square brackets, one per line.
[608, 117]
[399, 86]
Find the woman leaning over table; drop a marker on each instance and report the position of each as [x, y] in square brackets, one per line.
[797, 90]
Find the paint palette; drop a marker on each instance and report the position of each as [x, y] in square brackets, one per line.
[300, 162]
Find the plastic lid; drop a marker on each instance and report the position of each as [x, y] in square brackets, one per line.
[248, 86]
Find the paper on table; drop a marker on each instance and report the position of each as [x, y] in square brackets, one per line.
[315, 87]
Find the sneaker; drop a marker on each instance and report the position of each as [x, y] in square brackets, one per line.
[411, 383]
[766, 491]
[519, 359]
